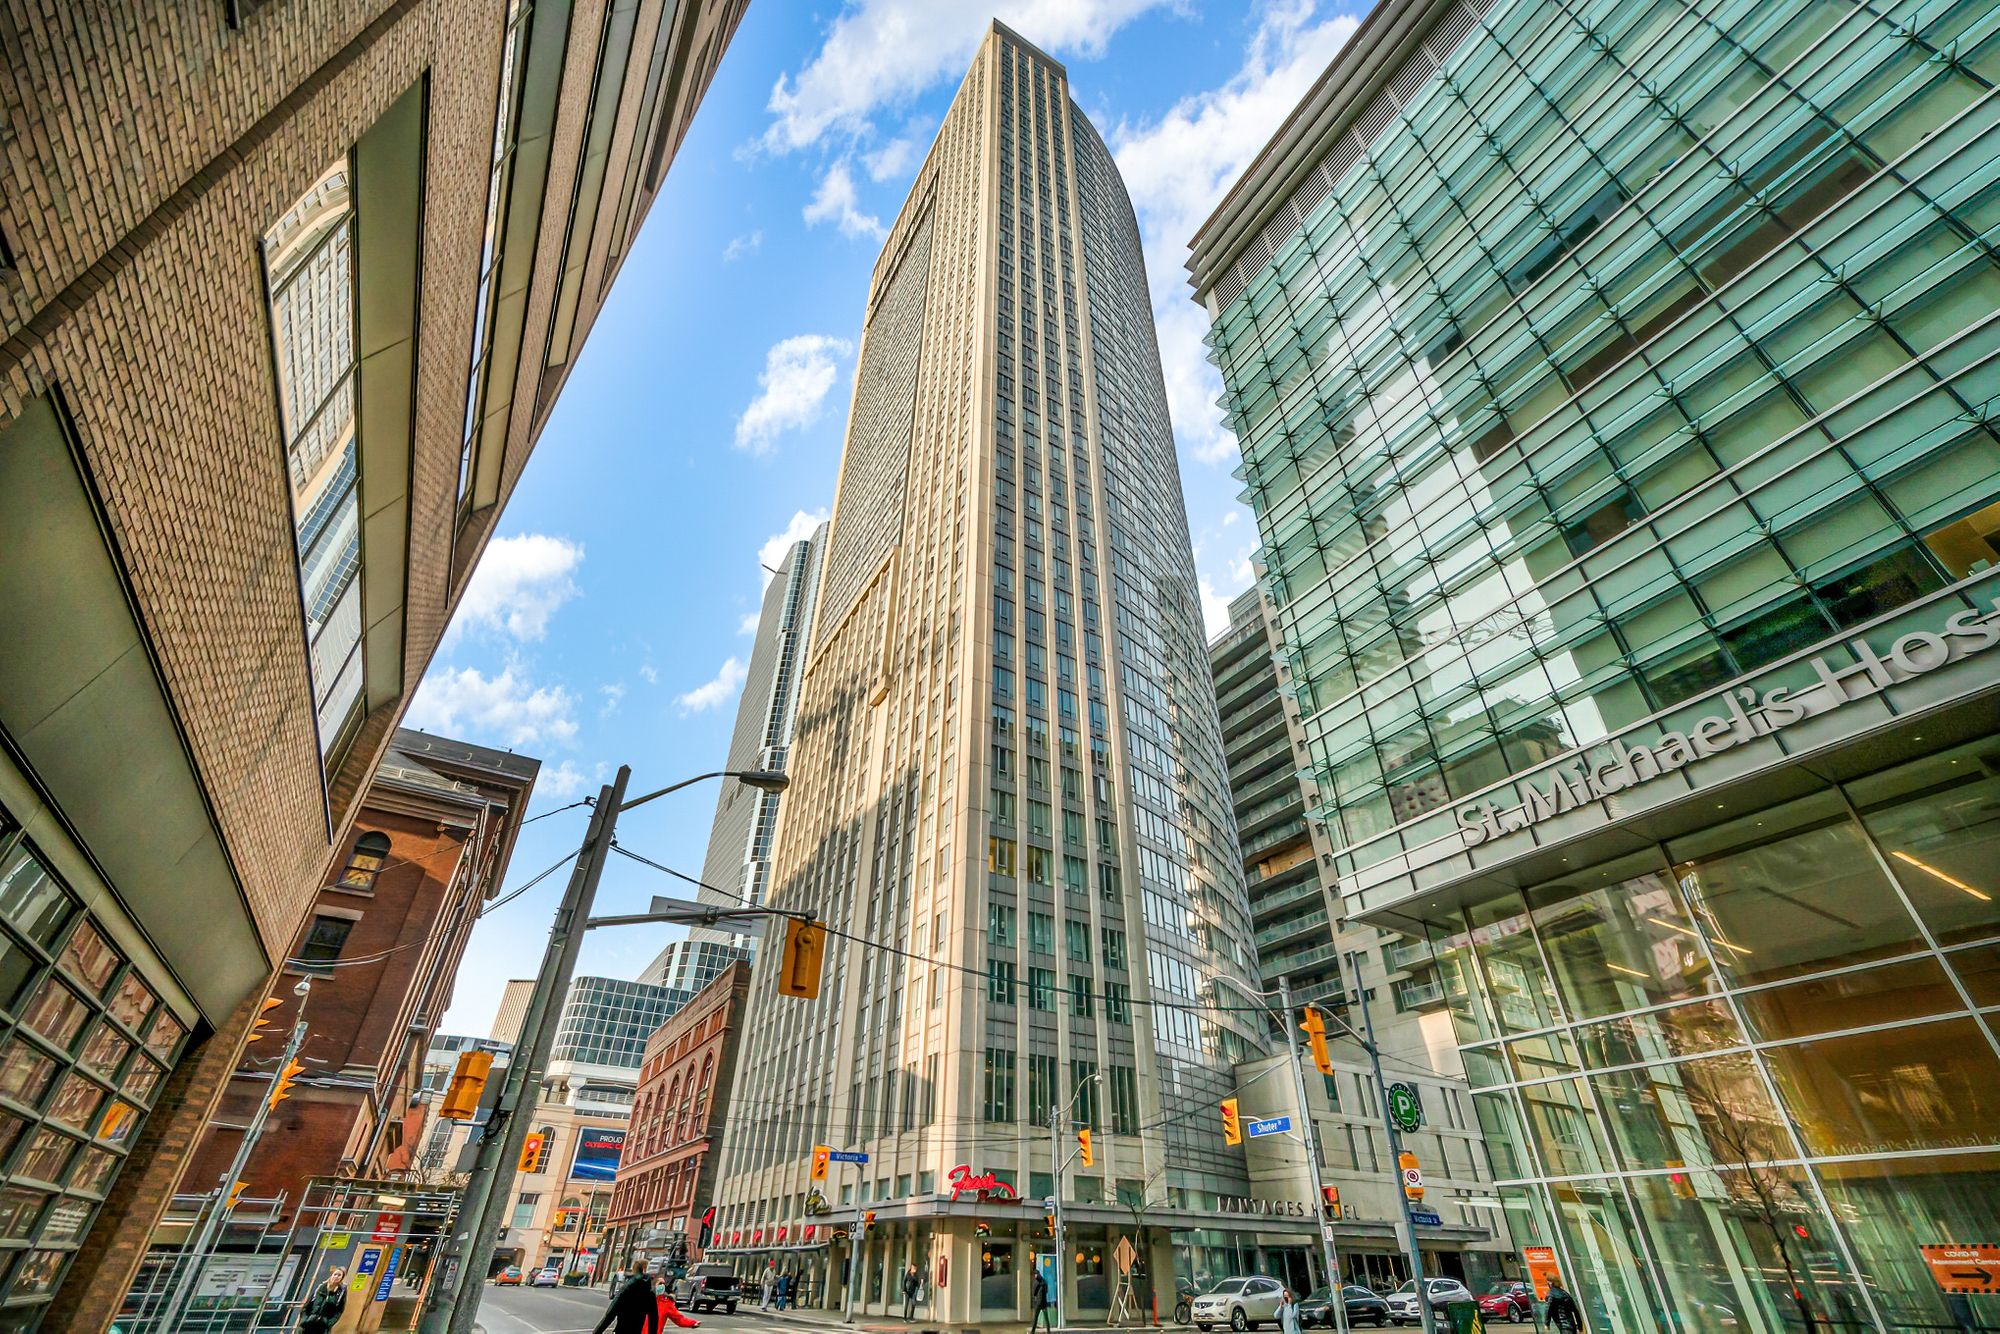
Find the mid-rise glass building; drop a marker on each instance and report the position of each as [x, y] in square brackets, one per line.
[1618, 395]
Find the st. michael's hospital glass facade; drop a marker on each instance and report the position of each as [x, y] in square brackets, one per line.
[1618, 398]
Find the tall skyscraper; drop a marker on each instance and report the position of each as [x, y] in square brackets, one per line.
[1007, 788]
[1616, 383]
[737, 867]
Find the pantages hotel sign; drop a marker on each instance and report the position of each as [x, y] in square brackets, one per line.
[1747, 713]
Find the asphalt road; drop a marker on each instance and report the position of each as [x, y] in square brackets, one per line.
[576, 1310]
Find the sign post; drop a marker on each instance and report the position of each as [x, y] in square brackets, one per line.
[1541, 1262]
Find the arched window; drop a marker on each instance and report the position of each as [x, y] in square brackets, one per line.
[701, 1094]
[365, 862]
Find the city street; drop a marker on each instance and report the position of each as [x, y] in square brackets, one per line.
[575, 1311]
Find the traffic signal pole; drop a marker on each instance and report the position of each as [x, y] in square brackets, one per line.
[217, 1216]
[1309, 1132]
[454, 1300]
[1425, 1316]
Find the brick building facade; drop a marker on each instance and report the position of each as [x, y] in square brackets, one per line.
[666, 1177]
[286, 294]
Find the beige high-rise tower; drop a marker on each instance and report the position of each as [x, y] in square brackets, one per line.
[1007, 773]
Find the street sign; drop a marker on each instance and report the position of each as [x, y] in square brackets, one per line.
[1425, 1218]
[1405, 1108]
[1413, 1176]
[1541, 1268]
[1275, 1125]
[845, 1156]
[388, 1275]
[1970, 1268]
[1124, 1253]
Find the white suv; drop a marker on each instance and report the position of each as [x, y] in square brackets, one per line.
[1240, 1303]
[1403, 1301]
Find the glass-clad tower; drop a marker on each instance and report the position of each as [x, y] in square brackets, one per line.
[1618, 396]
[1007, 784]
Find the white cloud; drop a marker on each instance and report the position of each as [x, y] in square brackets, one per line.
[1179, 166]
[882, 52]
[835, 201]
[564, 780]
[711, 694]
[614, 695]
[519, 583]
[892, 159]
[772, 554]
[746, 244]
[650, 673]
[748, 625]
[507, 708]
[1214, 608]
[1231, 517]
[798, 373]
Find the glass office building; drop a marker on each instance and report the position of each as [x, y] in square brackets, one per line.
[1618, 396]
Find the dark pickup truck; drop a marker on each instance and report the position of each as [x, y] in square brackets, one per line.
[708, 1288]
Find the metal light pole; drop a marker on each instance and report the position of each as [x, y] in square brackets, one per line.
[1309, 1132]
[490, 1183]
[1425, 1317]
[1056, 1165]
[218, 1215]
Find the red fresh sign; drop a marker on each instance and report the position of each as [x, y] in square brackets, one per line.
[810, 1229]
[735, 1237]
[757, 1237]
[984, 1185]
[784, 1231]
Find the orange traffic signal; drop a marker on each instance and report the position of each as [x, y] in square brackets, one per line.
[468, 1082]
[1315, 1029]
[1083, 1146]
[282, 1089]
[805, 949]
[531, 1153]
[820, 1155]
[263, 1021]
[1329, 1199]
[1232, 1122]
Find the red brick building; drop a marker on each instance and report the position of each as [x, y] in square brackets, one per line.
[380, 948]
[287, 293]
[666, 1176]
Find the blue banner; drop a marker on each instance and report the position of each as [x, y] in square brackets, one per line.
[597, 1153]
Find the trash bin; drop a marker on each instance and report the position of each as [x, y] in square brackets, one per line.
[1464, 1318]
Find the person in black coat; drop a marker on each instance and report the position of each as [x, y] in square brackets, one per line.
[1562, 1313]
[1038, 1302]
[636, 1308]
[912, 1285]
[322, 1310]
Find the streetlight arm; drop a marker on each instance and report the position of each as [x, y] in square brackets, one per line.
[764, 780]
[1244, 989]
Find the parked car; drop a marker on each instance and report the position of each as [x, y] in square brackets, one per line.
[1403, 1301]
[708, 1288]
[508, 1277]
[1240, 1303]
[1363, 1308]
[548, 1276]
[1507, 1302]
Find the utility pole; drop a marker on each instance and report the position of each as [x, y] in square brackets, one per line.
[218, 1214]
[454, 1302]
[1056, 1166]
[491, 1183]
[1425, 1317]
[1309, 1132]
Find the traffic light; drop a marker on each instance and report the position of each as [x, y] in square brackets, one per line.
[1083, 1146]
[867, 1222]
[282, 1089]
[798, 970]
[531, 1153]
[263, 1019]
[1232, 1122]
[1329, 1201]
[1049, 1218]
[468, 1082]
[1315, 1028]
[1802, 1232]
[1682, 1183]
[820, 1153]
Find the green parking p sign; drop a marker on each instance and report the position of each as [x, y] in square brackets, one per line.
[1404, 1108]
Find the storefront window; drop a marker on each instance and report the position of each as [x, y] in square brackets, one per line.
[1624, 946]
[1791, 890]
[996, 1277]
[1523, 996]
[1682, 1030]
[1891, 1207]
[1710, 1111]
[1607, 1276]
[1927, 1086]
[1938, 822]
[1568, 1133]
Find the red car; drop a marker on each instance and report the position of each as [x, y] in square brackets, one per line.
[1507, 1304]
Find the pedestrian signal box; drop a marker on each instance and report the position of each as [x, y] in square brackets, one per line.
[805, 949]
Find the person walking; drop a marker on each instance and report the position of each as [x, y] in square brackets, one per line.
[635, 1310]
[319, 1312]
[1562, 1312]
[912, 1285]
[1288, 1313]
[1038, 1304]
[764, 1289]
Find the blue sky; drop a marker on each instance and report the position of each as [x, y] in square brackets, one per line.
[702, 425]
